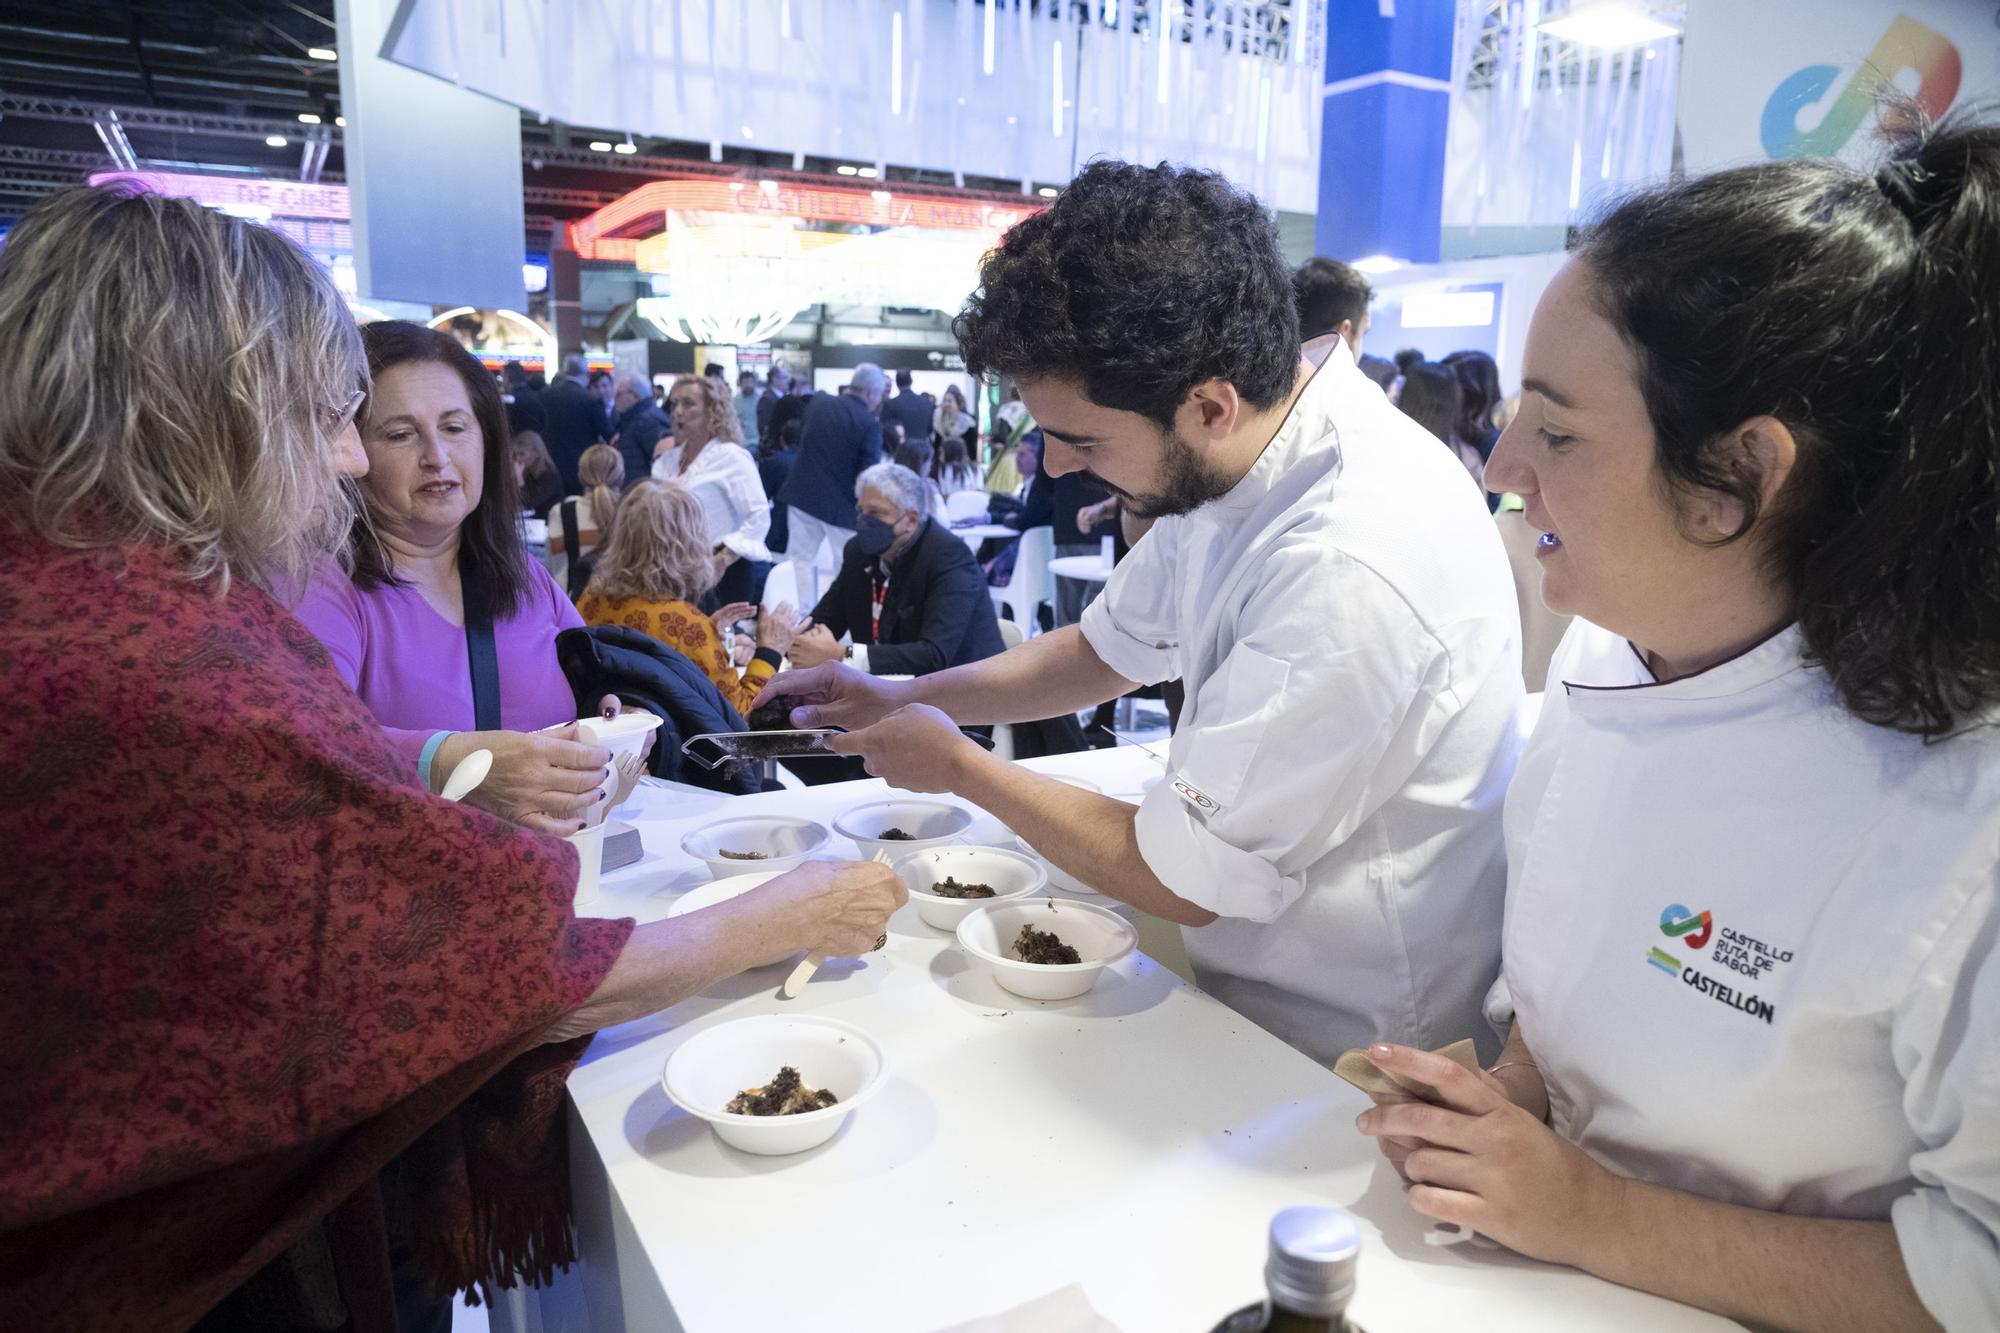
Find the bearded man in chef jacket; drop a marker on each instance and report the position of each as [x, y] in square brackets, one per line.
[1331, 591]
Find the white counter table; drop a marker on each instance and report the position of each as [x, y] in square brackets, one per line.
[1135, 1141]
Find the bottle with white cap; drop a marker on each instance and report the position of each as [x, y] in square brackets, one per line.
[1310, 1275]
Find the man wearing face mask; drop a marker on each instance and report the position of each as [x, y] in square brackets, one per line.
[910, 597]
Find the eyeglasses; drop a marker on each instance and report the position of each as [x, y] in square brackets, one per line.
[337, 419]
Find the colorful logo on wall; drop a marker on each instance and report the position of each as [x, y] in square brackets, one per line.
[1907, 45]
[1690, 928]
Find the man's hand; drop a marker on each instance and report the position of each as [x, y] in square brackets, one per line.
[813, 647]
[916, 748]
[1090, 517]
[833, 695]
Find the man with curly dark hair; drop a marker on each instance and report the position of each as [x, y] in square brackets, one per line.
[1320, 575]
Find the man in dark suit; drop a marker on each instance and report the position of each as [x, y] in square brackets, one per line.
[775, 386]
[839, 437]
[909, 595]
[638, 427]
[915, 410]
[575, 420]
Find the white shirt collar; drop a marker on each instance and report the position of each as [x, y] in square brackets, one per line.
[1782, 653]
[1304, 429]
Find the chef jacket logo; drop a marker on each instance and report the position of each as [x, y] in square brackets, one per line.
[1195, 796]
[1690, 928]
[1734, 950]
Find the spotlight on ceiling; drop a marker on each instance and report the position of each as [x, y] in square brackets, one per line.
[1610, 24]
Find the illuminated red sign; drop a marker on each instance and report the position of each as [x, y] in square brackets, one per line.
[286, 199]
[613, 231]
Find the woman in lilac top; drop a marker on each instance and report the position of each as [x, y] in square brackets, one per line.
[396, 627]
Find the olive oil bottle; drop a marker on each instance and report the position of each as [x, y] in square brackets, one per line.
[1309, 1276]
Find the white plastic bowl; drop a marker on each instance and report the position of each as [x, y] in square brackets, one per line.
[719, 891]
[711, 1067]
[785, 841]
[1011, 874]
[934, 823]
[628, 733]
[1100, 936]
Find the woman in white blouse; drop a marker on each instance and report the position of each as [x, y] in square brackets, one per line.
[1750, 946]
[708, 457]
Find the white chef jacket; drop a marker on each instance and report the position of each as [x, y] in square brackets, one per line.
[1752, 942]
[1346, 627]
[730, 465]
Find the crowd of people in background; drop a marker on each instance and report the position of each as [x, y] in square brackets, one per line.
[280, 1012]
[775, 466]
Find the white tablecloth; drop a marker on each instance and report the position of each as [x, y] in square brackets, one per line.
[1134, 1141]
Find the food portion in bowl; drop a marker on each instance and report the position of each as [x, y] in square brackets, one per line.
[769, 842]
[945, 883]
[786, 1094]
[902, 825]
[1044, 947]
[712, 1069]
[1070, 944]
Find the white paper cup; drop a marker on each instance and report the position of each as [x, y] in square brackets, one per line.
[589, 844]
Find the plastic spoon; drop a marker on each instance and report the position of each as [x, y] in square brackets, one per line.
[471, 771]
[803, 973]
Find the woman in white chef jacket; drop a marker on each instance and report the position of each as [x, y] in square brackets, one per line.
[1750, 944]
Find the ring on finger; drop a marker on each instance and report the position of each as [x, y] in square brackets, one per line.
[881, 942]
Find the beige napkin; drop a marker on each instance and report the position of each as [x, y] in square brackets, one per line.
[1363, 1073]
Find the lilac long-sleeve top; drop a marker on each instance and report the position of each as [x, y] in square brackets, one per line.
[410, 665]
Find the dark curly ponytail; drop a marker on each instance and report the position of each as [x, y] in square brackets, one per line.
[1864, 313]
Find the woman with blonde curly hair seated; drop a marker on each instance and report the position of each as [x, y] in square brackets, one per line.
[656, 567]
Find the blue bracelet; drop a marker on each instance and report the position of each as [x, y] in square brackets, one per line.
[429, 753]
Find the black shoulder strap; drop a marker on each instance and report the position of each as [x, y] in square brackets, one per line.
[572, 546]
[479, 645]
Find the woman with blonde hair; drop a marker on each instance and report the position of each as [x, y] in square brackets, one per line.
[601, 470]
[952, 422]
[654, 569]
[245, 961]
[708, 457]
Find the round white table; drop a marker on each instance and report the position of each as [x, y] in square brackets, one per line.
[1089, 568]
[982, 532]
